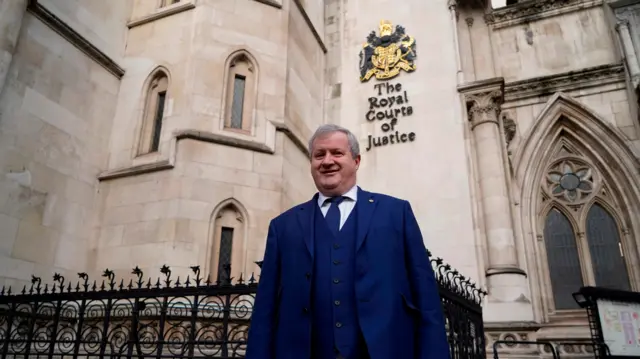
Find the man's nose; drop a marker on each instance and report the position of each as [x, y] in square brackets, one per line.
[327, 160]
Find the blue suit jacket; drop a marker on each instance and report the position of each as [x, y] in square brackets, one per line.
[398, 304]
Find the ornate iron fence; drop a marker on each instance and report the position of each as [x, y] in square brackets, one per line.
[462, 305]
[163, 318]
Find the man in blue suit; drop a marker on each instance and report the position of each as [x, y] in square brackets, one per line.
[346, 275]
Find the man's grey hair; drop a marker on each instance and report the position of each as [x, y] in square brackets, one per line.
[354, 146]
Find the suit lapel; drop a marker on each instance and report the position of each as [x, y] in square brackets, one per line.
[366, 206]
[306, 217]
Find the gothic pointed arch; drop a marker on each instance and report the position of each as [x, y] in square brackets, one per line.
[228, 229]
[592, 126]
[155, 95]
[240, 92]
[563, 257]
[577, 197]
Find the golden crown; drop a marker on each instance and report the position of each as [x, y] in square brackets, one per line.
[386, 28]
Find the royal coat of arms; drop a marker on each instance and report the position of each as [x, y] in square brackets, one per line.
[385, 55]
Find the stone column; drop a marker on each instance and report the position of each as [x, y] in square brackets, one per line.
[629, 51]
[453, 4]
[11, 15]
[505, 279]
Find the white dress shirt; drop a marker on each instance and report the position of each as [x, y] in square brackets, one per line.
[345, 207]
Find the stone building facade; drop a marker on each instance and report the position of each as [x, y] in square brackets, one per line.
[151, 132]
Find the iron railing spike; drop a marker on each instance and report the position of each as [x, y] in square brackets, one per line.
[461, 297]
[196, 271]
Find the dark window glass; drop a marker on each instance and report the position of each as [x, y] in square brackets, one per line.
[238, 102]
[564, 263]
[224, 259]
[157, 123]
[609, 267]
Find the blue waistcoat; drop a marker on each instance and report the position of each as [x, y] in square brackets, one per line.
[335, 321]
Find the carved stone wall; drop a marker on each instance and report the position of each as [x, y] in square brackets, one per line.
[629, 10]
[557, 58]
[565, 347]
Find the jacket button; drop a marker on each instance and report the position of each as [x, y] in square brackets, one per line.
[337, 302]
[308, 275]
[305, 310]
[338, 325]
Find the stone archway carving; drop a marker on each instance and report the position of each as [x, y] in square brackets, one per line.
[569, 139]
[229, 214]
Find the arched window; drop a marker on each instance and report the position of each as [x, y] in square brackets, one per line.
[577, 192]
[564, 261]
[153, 114]
[228, 243]
[591, 252]
[605, 247]
[240, 93]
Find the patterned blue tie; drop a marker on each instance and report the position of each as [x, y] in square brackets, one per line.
[333, 214]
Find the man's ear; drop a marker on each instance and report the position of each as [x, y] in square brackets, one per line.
[357, 159]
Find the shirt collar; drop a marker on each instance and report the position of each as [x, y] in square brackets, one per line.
[352, 194]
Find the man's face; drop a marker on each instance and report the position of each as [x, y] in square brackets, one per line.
[333, 168]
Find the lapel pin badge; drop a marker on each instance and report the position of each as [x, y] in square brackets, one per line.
[371, 200]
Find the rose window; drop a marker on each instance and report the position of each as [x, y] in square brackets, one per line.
[570, 180]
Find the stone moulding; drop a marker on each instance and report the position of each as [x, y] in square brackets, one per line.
[527, 340]
[203, 136]
[533, 10]
[271, 3]
[309, 23]
[77, 40]
[563, 82]
[161, 13]
[136, 170]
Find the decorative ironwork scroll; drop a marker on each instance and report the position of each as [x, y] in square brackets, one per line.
[462, 305]
[190, 318]
[173, 317]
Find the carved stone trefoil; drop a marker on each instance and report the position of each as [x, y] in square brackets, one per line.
[570, 180]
